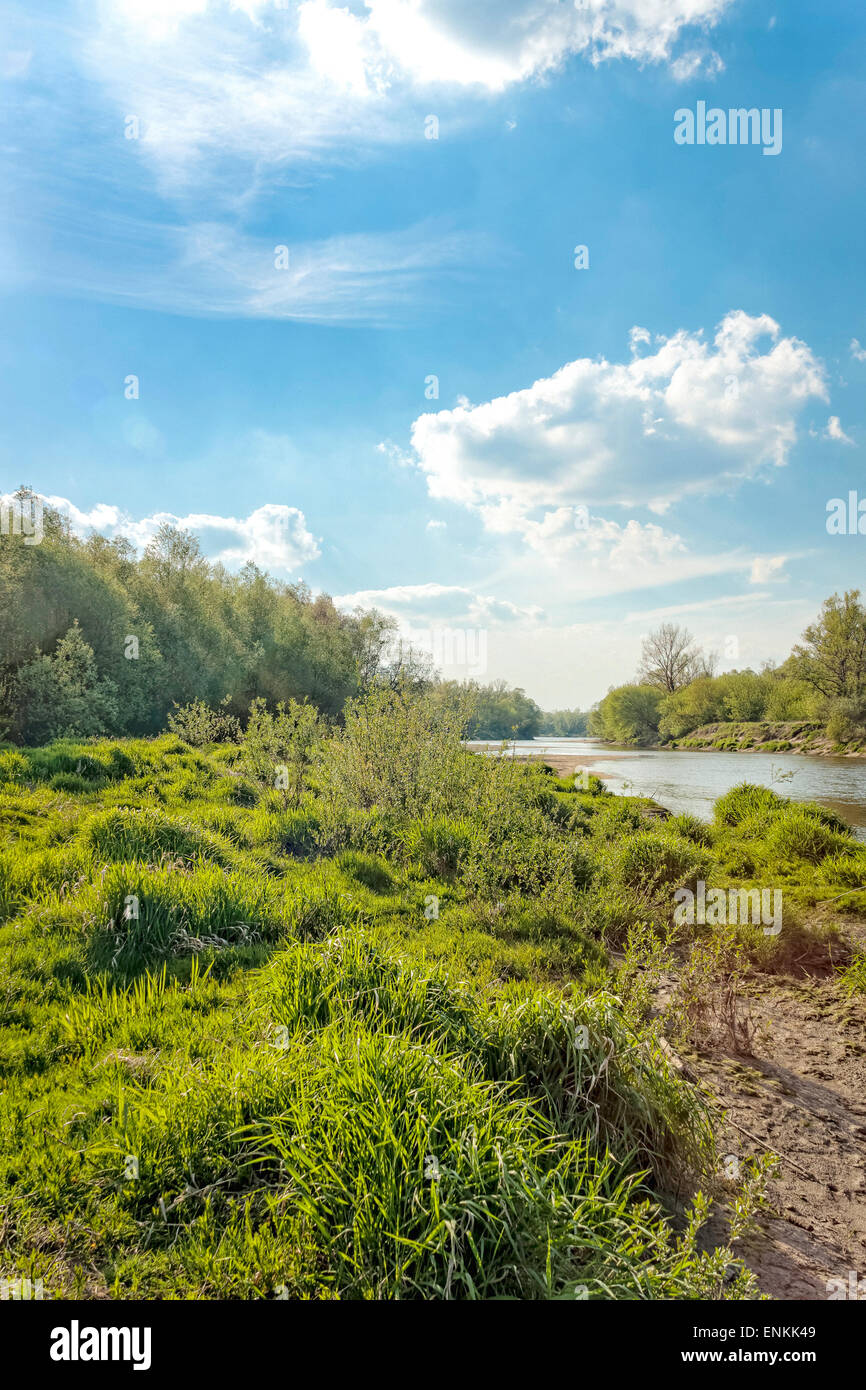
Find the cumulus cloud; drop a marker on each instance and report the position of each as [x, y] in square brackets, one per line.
[858, 352]
[689, 417]
[274, 536]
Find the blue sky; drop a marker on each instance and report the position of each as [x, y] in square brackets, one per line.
[656, 435]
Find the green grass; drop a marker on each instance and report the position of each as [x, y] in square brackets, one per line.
[353, 1047]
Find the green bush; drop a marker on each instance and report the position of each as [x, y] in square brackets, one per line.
[439, 844]
[14, 767]
[795, 834]
[652, 862]
[744, 800]
[197, 724]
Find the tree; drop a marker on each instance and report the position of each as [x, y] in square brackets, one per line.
[628, 714]
[563, 723]
[670, 659]
[832, 654]
[699, 702]
[62, 695]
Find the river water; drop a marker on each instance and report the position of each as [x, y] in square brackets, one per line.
[683, 780]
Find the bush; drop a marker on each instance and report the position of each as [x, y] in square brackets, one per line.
[847, 721]
[652, 862]
[197, 724]
[691, 828]
[14, 767]
[795, 834]
[439, 844]
[744, 800]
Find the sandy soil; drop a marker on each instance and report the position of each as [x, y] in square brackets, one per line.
[802, 1096]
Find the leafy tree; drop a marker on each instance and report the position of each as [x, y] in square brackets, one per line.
[832, 654]
[62, 695]
[628, 714]
[699, 702]
[169, 631]
[503, 712]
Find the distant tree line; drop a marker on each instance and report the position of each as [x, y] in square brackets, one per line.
[675, 691]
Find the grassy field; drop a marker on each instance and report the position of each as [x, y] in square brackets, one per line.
[358, 1014]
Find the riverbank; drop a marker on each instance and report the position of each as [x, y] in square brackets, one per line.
[765, 736]
[691, 780]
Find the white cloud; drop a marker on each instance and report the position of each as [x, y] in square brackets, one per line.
[690, 417]
[277, 83]
[835, 431]
[211, 270]
[857, 351]
[599, 557]
[765, 567]
[493, 43]
[695, 63]
[438, 603]
[274, 536]
[435, 526]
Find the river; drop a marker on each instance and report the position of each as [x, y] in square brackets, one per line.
[683, 780]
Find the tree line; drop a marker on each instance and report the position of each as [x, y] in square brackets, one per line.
[676, 690]
[95, 640]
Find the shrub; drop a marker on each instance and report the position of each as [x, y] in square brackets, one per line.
[745, 800]
[439, 844]
[279, 746]
[847, 721]
[197, 724]
[691, 828]
[652, 862]
[14, 767]
[795, 834]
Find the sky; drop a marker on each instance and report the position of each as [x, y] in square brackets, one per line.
[426, 303]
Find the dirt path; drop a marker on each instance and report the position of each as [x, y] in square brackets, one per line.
[802, 1095]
